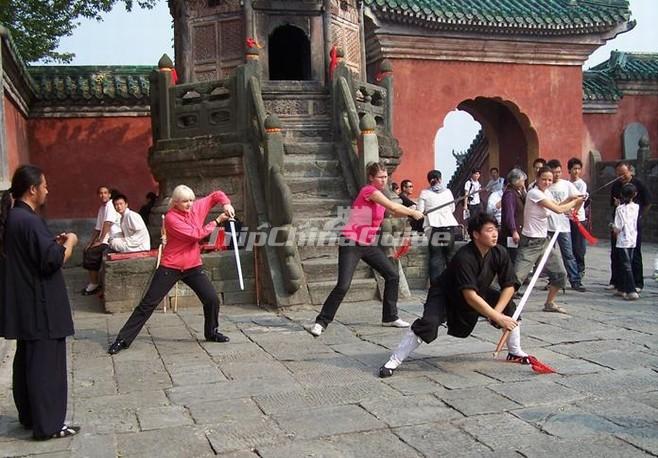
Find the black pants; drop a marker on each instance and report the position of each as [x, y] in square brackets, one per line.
[624, 265]
[440, 255]
[578, 246]
[474, 210]
[636, 261]
[40, 386]
[92, 258]
[348, 258]
[460, 324]
[163, 280]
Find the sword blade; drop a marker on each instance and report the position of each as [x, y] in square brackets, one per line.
[234, 238]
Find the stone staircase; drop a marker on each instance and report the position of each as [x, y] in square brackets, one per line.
[313, 172]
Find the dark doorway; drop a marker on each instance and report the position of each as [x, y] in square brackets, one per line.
[289, 53]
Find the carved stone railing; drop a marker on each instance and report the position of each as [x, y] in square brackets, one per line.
[267, 141]
[354, 125]
[192, 109]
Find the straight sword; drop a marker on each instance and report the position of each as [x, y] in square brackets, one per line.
[457, 200]
[234, 238]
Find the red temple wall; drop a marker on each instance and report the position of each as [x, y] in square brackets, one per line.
[605, 132]
[80, 154]
[426, 91]
[16, 135]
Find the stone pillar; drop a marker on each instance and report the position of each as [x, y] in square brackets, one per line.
[368, 146]
[326, 32]
[643, 154]
[385, 78]
[161, 98]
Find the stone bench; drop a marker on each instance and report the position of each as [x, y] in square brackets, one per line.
[126, 281]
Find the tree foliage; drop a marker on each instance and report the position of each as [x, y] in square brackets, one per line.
[37, 25]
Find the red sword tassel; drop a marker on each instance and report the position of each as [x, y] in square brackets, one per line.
[540, 367]
[589, 237]
[403, 249]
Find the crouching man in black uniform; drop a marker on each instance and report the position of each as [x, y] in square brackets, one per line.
[463, 293]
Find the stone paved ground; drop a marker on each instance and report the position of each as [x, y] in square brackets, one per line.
[275, 391]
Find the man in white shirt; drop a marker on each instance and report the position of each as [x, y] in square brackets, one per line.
[107, 225]
[134, 235]
[575, 167]
[496, 183]
[472, 190]
[562, 190]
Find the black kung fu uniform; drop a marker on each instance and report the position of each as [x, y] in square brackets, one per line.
[468, 269]
[35, 310]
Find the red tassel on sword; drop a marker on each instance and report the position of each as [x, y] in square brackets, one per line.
[403, 249]
[589, 237]
[540, 367]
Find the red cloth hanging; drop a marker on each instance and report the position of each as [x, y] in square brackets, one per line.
[333, 62]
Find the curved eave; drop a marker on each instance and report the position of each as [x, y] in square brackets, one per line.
[519, 27]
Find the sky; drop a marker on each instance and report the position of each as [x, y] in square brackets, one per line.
[142, 36]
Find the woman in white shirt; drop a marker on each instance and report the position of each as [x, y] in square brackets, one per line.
[440, 226]
[538, 203]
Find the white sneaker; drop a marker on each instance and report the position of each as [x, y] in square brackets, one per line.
[399, 323]
[619, 293]
[610, 287]
[316, 329]
[638, 290]
[631, 296]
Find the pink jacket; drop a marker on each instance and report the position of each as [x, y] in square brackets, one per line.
[186, 229]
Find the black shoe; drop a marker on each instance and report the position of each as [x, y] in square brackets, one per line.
[96, 290]
[66, 431]
[385, 372]
[580, 288]
[117, 346]
[218, 337]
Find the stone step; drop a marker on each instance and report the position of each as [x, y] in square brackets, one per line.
[315, 251]
[307, 165]
[361, 289]
[330, 222]
[317, 187]
[322, 148]
[324, 269]
[314, 211]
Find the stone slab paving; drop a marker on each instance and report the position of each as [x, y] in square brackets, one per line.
[275, 391]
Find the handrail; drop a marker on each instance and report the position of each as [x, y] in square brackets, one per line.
[256, 96]
[345, 96]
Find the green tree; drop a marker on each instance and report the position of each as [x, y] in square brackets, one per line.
[37, 25]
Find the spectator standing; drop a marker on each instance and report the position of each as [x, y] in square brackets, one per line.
[562, 191]
[625, 229]
[513, 201]
[472, 189]
[578, 242]
[643, 199]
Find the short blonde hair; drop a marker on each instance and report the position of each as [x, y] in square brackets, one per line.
[180, 193]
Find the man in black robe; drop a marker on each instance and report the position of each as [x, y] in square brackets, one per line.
[34, 305]
[463, 293]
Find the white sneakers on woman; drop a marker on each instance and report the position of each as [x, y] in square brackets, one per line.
[399, 323]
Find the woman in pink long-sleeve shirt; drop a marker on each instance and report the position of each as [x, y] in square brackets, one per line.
[181, 260]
